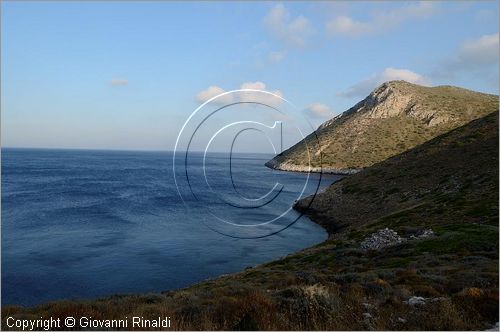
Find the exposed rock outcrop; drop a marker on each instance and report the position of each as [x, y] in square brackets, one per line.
[383, 238]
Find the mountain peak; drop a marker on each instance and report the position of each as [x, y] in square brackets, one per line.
[398, 85]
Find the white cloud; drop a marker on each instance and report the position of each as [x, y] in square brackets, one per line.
[253, 85]
[276, 56]
[119, 81]
[293, 32]
[258, 96]
[242, 96]
[211, 92]
[318, 110]
[381, 21]
[344, 25]
[363, 88]
[473, 54]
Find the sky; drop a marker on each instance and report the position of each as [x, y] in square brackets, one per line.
[128, 75]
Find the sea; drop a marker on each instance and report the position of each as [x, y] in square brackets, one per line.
[78, 224]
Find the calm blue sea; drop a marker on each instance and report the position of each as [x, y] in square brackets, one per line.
[82, 223]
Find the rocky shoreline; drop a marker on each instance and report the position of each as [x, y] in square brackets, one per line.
[288, 167]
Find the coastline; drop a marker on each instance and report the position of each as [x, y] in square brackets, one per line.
[288, 167]
[419, 283]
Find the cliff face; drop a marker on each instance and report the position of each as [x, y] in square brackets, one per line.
[395, 117]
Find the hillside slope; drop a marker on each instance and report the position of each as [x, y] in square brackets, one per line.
[448, 281]
[454, 173]
[395, 117]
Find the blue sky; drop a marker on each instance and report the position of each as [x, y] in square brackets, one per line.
[127, 75]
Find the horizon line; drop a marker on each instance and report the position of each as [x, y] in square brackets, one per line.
[116, 149]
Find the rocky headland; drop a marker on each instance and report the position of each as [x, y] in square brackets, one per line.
[395, 117]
